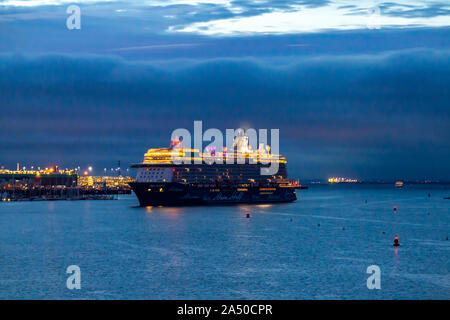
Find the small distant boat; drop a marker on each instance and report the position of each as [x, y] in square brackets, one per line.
[446, 198]
[399, 184]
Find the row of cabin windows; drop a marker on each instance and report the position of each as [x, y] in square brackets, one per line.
[153, 173]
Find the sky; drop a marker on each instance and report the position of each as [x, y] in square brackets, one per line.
[357, 88]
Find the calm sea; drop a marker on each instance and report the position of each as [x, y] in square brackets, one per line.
[317, 248]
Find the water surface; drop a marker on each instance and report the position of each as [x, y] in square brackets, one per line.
[316, 248]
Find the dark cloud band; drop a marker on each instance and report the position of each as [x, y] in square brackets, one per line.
[374, 107]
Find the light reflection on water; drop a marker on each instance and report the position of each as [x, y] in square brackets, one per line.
[318, 247]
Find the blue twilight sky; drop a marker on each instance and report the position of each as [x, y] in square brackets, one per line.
[357, 88]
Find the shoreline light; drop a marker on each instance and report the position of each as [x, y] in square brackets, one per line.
[341, 180]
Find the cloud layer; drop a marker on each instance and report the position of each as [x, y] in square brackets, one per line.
[249, 17]
[372, 116]
[318, 16]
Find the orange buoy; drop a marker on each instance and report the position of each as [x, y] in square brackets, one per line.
[396, 244]
[247, 214]
[395, 208]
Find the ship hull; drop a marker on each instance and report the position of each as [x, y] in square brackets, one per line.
[177, 194]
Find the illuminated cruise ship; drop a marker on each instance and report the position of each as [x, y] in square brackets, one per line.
[177, 176]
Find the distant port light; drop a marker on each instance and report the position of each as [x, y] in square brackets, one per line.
[86, 173]
[341, 180]
[90, 169]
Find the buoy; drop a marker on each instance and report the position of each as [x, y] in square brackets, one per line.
[383, 232]
[247, 213]
[446, 239]
[318, 224]
[429, 195]
[395, 208]
[396, 244]
[343, 228]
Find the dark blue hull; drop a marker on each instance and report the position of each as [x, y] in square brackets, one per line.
[177, 194]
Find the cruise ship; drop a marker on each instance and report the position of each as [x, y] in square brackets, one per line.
[177, 176]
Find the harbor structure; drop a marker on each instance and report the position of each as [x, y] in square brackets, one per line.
[56, 184]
